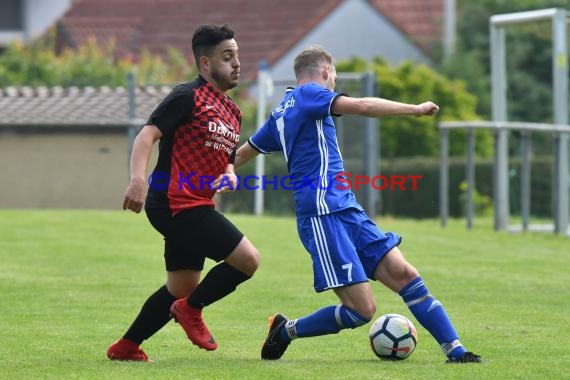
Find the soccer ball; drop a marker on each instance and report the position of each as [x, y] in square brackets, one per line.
[393, 337]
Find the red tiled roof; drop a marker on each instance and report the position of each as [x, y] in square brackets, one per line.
[122, 32]
[264, 28]
[421, 20]
[75, 106]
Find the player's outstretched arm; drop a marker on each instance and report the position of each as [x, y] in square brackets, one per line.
[378, 107]
[244, 154]
[142, 148]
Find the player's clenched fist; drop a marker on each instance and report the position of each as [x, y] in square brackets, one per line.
[135, 195]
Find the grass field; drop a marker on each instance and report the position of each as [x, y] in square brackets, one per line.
[72, 281]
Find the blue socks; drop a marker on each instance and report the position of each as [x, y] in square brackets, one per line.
[426, 309]
[431, 314]
[328, 320]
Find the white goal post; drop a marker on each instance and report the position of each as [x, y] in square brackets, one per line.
[560, 128]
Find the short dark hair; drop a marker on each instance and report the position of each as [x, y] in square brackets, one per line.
[206, 37]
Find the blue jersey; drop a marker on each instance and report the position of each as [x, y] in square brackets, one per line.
[302, 128]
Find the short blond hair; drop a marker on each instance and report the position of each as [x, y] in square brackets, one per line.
[310, 60]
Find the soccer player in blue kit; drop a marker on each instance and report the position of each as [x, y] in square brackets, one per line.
[346, 247]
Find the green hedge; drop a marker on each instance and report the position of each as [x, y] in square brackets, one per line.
[420, 203]
[424, 202]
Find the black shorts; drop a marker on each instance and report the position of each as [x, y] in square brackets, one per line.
[194, 234]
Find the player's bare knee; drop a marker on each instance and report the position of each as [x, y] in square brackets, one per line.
[251, 261]
[367, 314]
[179, 291]
[413, 274]
[245, 260]
[410, 273]
[366, 310]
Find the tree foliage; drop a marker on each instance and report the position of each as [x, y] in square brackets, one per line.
[412, 83]
[529, 55]
[37, 64]
[95, 65]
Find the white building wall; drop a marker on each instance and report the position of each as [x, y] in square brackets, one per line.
[39, 15]
[353, 29]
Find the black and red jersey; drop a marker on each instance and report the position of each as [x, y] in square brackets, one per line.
[200, 127]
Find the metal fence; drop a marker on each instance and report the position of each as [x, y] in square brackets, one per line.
[501, 171]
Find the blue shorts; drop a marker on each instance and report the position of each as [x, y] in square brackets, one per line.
[345, 247]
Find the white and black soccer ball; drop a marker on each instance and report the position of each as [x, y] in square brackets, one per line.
[393, 337]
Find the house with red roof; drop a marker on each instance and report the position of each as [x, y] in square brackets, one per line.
[25, 20]
[74, 141]
[270, 30]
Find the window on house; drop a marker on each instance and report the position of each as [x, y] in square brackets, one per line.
[11, 15]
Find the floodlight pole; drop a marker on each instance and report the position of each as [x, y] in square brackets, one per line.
[262, 78]
[132, 111]
[449, 28]
[371, 148]
[525, 179]
[443, 176]
[560, 85]
[470, 175]
[499, 113]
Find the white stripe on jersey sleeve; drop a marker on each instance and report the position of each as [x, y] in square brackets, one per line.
[322, 207]
[281, 130]
[256, 147]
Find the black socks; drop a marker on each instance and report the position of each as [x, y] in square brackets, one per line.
[154, 314]
[220, 281]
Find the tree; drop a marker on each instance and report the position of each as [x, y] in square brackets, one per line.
[37, 64]
[529, 57]
[412, 83]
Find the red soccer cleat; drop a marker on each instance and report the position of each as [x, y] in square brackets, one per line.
[191, 321]
[124, 349]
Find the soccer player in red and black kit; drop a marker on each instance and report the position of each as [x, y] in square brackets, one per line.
[198, 127]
